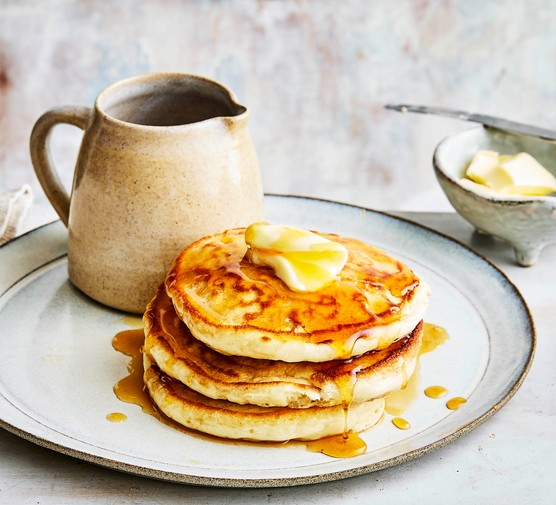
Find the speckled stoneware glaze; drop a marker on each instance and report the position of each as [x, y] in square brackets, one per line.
[527, 223]
[165, 159]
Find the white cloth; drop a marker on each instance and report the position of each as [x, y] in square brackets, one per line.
[13, 208]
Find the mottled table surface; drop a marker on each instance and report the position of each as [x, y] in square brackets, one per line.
[511, 458]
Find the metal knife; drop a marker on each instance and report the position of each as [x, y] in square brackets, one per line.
[495, 122]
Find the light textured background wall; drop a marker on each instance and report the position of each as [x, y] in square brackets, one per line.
[314, 73]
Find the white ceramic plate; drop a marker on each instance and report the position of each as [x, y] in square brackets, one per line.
[58, 367]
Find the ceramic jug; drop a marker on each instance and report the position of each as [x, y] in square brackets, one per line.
[165, 159]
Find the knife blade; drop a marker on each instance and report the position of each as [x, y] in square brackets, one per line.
[495, 122]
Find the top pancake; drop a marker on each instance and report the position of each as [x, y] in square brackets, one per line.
[242, 309]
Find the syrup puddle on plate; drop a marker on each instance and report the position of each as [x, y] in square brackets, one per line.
[116, 417]
[131, 389]
[345, 445]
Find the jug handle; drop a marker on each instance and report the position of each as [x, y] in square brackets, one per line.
[47, 175]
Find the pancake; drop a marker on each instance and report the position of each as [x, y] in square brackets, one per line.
[250, 422]
[242, 380]
[242, 309]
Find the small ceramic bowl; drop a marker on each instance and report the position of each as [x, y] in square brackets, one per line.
[527, 223]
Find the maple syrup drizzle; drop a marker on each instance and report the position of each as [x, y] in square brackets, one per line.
[401, 423]
[433, 337]
[347, 444]
[116, 417]
[124, 346]
[344, 348]
[436, 392]
[398, 401]
[131, 388]
[455, 403]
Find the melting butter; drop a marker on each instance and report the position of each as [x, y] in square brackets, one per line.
[510, 175]
[304, 260]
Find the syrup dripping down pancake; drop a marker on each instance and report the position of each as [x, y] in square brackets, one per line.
[242, 309]
[250, 422]
[243, 380]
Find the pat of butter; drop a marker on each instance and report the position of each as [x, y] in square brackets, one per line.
[482, 164]
[304, 260]
[518, 174]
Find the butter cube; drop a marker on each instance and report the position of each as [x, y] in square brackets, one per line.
[481, 165]
[527, 175]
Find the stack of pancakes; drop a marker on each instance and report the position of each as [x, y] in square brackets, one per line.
[231, 351]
